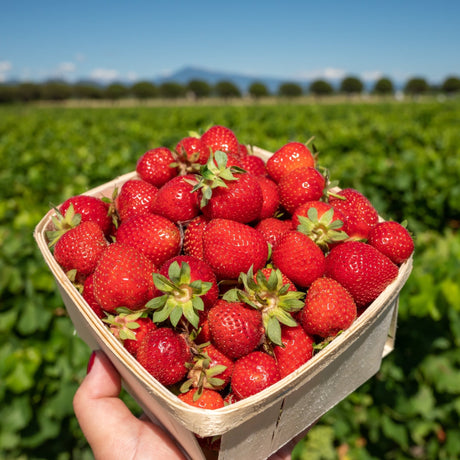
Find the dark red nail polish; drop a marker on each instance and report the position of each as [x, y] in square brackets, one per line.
[90, 362]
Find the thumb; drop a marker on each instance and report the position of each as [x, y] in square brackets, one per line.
[109, 426]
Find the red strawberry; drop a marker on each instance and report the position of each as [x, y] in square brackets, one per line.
[221, 138]
[393, 240]
[231, 247]
[136, 197]
[270, 195]
[88, 295]
[361, 269]
[253, 373]
[91, 208]
[164, 353]
[299, 186]
[191, 150]
[254, 165]
[123, 278]
[145, 325]
[155, 236]
[243, 151]
[193, 237]
[175, 201]
[157, 166]
[329, 309]
[272, 229]
[207, 399]
[296, 350]
[321, 222]
[299, 258]
[236, 330]
[291, 156]
[358, 211]
[79, 249]
[187, 288]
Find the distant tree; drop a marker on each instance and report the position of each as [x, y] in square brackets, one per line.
[28, 91]
[171, 90]
[226, 89]
[258, 89]
[451, 85]
[351, 85]
[290, 89]
[144, 90]
[383, 86]
[87, 90]
[55, 90]
[320, 88]
[199, 88]
[416, 86]
[8, 93]
[116, 91]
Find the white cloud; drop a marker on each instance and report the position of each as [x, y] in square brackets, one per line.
[132, 76]
[5, 67]
[329, 73]
[104, 74]
[372, 75]
[66, 68]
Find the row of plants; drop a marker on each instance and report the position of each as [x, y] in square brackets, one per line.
[405, 158]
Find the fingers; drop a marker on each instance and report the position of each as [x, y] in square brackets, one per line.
[109, 426]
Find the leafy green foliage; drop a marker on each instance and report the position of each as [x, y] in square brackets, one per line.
[405, 157]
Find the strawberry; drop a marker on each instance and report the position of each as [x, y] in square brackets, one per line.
[274, 295]
[186, 286]
[361, 269]
[231, 247]
[210, 369]
[321, 222]
[300, 185]
[291, 156]
[175, 201]
[88, 294]
[358, 211]
[164, 353]
[243, 151]
[157, 166]
[236, 330]
[123, 278]
[155, 236]
[270, 197]
[90, 208]
[296, 349]
[221, 138]
[392, 239]
[144, 326]
[193, 236]
[228, 192]
[78, 250]
[254, 165]
[191, 150]
[207, 399]
[329, 309]
[272, 229]
[253, 373]
[136, 197]
[299, 258]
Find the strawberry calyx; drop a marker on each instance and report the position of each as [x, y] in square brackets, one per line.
[62, 223]
[181, 296]
[323, 230]
[123, 325]
[214, 174]
[202, 374]
[271, 297]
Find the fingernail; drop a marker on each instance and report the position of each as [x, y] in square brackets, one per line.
[90, 362]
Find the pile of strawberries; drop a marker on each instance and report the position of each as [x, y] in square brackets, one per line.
[222, 274]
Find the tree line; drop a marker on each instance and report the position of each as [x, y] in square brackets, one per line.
[59, 90]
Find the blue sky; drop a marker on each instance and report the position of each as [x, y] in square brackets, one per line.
[120, 40]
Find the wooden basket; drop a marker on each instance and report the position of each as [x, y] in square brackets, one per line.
[262, 423]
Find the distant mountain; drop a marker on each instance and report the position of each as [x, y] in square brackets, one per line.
[212, 77]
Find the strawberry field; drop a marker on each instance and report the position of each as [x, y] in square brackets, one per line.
[404, 156]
